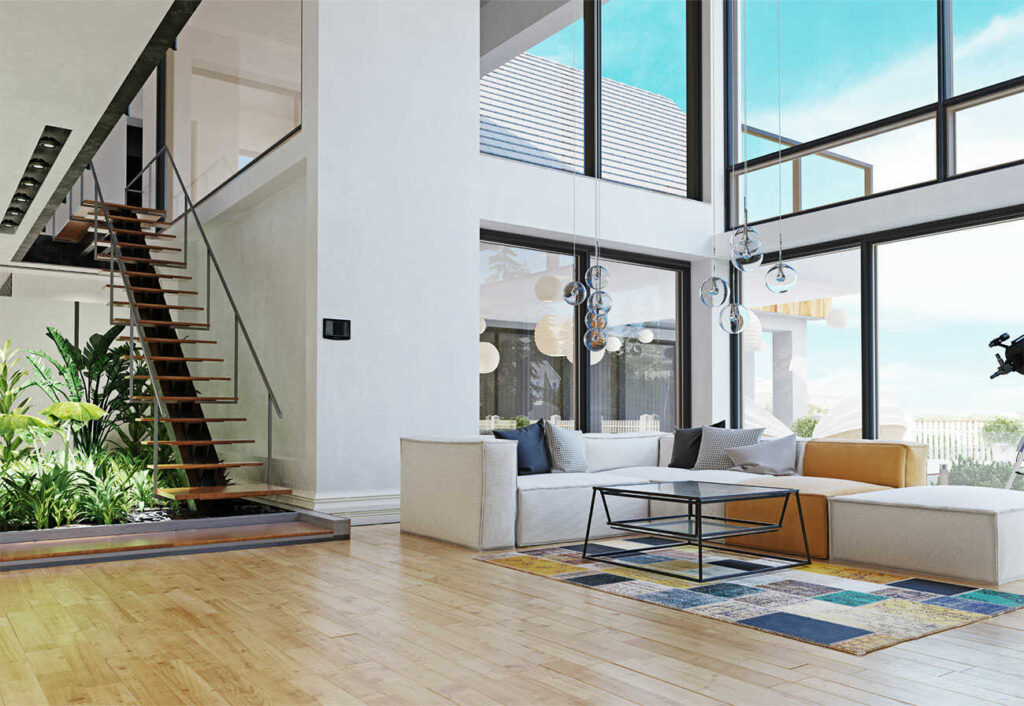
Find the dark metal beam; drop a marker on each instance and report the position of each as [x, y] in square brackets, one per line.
[592, 88]
[869, 340]
[694, 100]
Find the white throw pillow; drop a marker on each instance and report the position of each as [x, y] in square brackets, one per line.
[566, 449]
[770, 458]
[714, 442]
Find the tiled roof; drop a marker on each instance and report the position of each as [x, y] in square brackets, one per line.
[531, 110]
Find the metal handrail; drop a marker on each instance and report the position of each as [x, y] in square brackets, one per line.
[115, 257]
[212, 259]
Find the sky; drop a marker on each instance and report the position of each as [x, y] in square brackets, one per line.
[845, 63]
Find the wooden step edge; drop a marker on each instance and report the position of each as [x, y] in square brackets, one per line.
[124, 207]
[202, 466]
[192, 420]
[179, 341]
[176, 359]
[223, 492]
[131, 219]
[137, 246]
[175, 400]
[219, 442]
[174, 307]
[146, 261]
[155, 275]
[184, 378]
[152, 290]
[168, 324]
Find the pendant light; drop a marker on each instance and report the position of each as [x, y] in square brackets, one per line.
[574, 293]
[747, 252]
[780, 277]
[714, 291]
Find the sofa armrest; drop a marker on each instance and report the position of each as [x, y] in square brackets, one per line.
[665, 445]
[460, 490]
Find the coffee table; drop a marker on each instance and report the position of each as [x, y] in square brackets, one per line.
[695, 526]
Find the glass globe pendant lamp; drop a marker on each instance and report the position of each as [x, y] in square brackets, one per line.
[747, 254]
[714, 292]
[595, 320]
[595, 340]
[574, 293]
[597, 277]
[599, 302]
[780, 278]
[734, 318]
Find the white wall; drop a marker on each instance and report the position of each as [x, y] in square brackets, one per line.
[397, 237]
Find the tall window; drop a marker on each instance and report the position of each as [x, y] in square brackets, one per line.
[531, 362]
[526, 339]
[861, 106]
[633, 382]
[233, 87]
[536, 62]
[801, 351]
[933, 361]
[643, 98]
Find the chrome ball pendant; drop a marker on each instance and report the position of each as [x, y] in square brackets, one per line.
[574, 293]
[714, 292]
[780, 278]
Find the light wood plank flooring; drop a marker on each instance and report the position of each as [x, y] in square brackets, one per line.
[392, 619]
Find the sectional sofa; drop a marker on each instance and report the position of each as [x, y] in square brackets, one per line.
[466, 490]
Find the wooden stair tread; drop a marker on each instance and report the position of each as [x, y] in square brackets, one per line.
[138, 246]
[103, 230]
[145, 260]
[192, 420]
[125, 207]
[220, 492]
[107, 544]
[84, 218]
[177, 359]
[156, 275]
[221, 442]
[184, 378]
[179, 341]
[173, 398]
[170, 324]
[210, 466]
[175, 307]
[152, 290]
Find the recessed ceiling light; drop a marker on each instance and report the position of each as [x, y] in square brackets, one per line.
[14, 211]
[8, 223]
[38, 164]
[30, 182]
[48, 143]
[22, 198]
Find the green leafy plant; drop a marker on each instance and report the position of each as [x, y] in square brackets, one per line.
[13, 400]
[45, 494]
[804, 426]
[97, 374]
[1002, 430]
[106, 499]
[967, 471]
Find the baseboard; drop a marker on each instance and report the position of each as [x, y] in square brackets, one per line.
[362, 507]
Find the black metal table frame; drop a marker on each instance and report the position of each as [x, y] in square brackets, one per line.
[695, 512]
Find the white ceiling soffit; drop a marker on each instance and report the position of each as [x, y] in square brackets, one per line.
[62, 62]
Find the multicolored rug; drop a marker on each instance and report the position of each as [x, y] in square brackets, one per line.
[852, 610]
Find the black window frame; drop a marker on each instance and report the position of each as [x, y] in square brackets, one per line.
[942, 111]
[868, 245]
[581, 372]
[694, 71]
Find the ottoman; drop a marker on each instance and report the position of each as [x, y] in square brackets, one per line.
[946, 530]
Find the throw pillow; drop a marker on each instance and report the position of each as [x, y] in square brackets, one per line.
[714, 442]
[771, 458]
[531, 454]
[686, 446]
[566, 449]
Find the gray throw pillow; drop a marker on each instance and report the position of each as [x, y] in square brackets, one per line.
[770, 458]
[566, 449]
[714, 442]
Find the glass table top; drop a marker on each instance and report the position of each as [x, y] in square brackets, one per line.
[704, 491]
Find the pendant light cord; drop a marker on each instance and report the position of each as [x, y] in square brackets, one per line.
[778, 85]
[746, 108]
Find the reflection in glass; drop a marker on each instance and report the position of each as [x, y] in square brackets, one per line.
[989, 133]
[633, 387]
[801, 351]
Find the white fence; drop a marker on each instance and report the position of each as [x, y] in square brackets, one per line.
[949, 438]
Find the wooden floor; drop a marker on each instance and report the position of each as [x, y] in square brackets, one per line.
[391, 619]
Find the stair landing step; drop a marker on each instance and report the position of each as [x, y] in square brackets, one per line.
[165, 398]
[192, 420]
[222, 492]
[176, 359]
[219, 442]
[143, 541]
[213, 466]
[185, 378]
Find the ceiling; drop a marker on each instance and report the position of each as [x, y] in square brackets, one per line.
[63, 62]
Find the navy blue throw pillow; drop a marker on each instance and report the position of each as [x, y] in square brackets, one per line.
[687, 445]
[532, 454]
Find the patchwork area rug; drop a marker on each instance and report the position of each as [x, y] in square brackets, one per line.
[852, 610]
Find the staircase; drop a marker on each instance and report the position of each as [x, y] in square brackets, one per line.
[147, 256]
